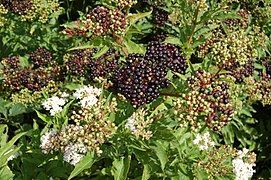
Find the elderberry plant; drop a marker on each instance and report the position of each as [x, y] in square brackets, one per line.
[171, 89]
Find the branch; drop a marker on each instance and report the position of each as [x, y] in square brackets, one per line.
[194, 25]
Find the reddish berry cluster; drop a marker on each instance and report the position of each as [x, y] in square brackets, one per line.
[208, 100]
[81, 63]
[19, 7]
[101, 21]
[239, 72]
[17, 77]
[41, 57]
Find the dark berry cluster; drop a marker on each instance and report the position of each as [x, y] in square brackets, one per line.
[239, 72]
[141, 77]
[18, 7]
[17, 77]
[160, 16]
[168, 55]
[101, 21]
[41, 57]
[82, 64]
[208, 99]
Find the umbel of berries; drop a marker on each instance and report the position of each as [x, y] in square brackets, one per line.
[141, 77]
[102, 21]
[206, 102]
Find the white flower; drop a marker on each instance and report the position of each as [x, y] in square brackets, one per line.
[74, 153]
[89, 101]
[63, 94]
[198, 139]
[46, 141]
[204, 141]
[87, 95]
[54, 104]
[243, 171]
[130, 124]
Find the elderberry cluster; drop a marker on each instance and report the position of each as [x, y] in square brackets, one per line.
[207, 102]
[41, 57]
[101, 21]
[160, 16]
[124, 3]
[141, 77]
[17, 76]
[240, 71]
[82, 64]
[18, 7]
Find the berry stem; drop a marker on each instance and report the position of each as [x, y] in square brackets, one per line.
[194, 25]
[221, 68]
[119, 41]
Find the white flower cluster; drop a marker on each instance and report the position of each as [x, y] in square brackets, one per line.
[46, 141]
[74, 153]
[243, 170]
[204, 141]
[131, 124]
[138, 123]
[88, 95]
[54, 104]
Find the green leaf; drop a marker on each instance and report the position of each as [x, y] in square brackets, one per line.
[146, 172]
[43, 117]
[84, 46]
[17, 109]
[161, 154]
[174, 40]
[121, 167]
[6, 173]
[85, 163]
[24, 61]
[133, 47]
[72, 86]
[101, 52]
[136, 17]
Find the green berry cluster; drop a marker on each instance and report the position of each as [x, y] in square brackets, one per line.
[207, 102]
[214, 163]
[36, 9]
[236, 47]
[3, 11]
[259, 89]
[33, 99]
[124, 3]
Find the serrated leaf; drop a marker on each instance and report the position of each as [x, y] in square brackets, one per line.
[161, 154]
[159, 108]
[121, 167]
[133, 47]
[101, 52]
[17, 109]
[84, 46]
[85, 163]
[146, 172]
[174, 40]
[72, 86]
[43, 117]
[136, 17]
[6, 173]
